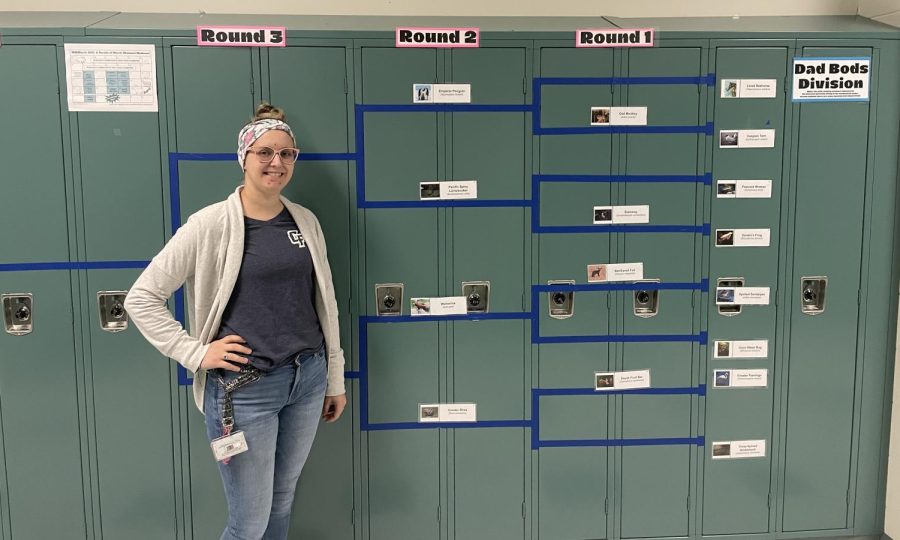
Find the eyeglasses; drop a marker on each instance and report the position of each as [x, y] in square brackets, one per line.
[266, 154]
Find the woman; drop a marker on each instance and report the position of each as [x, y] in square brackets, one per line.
[264, 345]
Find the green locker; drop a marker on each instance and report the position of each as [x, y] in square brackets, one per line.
[823, 346]
[736, 493]
[39, 372]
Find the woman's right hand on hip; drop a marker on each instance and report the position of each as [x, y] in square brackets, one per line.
[225, 354]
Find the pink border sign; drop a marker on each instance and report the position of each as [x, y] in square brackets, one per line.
[645, 37]
[437, 38]
[247, 36]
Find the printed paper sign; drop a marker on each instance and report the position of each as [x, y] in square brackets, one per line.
[621, 380]
[446, 305]
[448, 412]
[756, 348]
[440, 38]
[740, 378]
[747, 138]
[618, 116]
[748, 88]
[599, 273]
[104, 77]
[614, 37]
[744, 189]
[449, 190]
[442, 93]
[744, 296]
[831, 79]
[241, 36]
[606, 215]
[742, 237]
[738, 449]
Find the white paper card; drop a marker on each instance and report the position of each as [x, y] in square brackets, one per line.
[755, 348]
[447, 305]
[107, 77]
[747, 138]
[442, 93]
[742, 237]
[621, 380]
[740, 378]
[748, 88]
[599, 273]
[738, 449]
[745, 296]
[449, 190]
[605, 115]
[604, 215]
[744, 189]
[230, 445]
[448, 412]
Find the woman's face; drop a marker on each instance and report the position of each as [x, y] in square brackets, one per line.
[268, 178]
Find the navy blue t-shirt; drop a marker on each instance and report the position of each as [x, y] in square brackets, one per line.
[273, 303]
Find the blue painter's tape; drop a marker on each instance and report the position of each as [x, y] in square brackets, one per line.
[648, 286]
[95, 265]
[387, 426]
[688, 390]
[446, 107]
[649, 338]
[673, 441]
[563, 229]
[183, 378]
[524, 315]
[351, 374]
[625, 178]
[466, 203]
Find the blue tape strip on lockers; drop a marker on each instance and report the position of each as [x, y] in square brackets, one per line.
[703, 285]
[351, 374]
[569, 229]
[699, 390]
[231, 156]
[635, 338]
[486, 203]
[673, 441]
[705, 179]
[444, 107]
[600, 130]
[384, 426]
[708, 80]
[366, 319]
[95, 265]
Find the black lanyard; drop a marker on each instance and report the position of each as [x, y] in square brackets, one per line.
[248, 375]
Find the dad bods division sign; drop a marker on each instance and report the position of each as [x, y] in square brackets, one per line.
[831, 79]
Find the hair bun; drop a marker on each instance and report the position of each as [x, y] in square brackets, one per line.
[266, 110]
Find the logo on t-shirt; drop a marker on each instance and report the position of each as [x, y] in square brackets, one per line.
[296, 238]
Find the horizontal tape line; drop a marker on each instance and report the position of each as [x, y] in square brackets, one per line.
[433, 318]
[465, 203]
[447, 425]
[649, 338]
[625, 178]
[689, 390]
[699, 441]
[98, 265]
[708, 80]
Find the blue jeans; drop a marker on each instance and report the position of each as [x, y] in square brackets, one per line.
[279, 415]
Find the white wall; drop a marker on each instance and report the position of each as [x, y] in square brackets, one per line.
[619, 8]
[887, 11]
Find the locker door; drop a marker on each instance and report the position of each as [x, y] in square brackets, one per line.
[572, 481]
[316, 109]
[488, 363]
[831, 167]
[736, 492]
[121, 173]
[401, 245]
[208, 125]
[656, 479]
[38, 376]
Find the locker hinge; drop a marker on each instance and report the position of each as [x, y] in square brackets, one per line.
[523, 509]
[252, 89]
[523, 301]
[848, 497]
[608, 303]
[689, 504]
[346, 88]
[439, 513]
[353, 516]
[525, 87]
[693, 298]
[606, 506]
[858, 297]
[769, 500]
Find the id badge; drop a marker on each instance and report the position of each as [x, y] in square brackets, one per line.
[231, 445]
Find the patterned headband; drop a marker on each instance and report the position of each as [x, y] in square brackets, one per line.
[255, 130]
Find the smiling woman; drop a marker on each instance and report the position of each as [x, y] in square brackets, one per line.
[265, 328]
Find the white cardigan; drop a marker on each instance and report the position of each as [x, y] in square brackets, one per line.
[205, 255]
